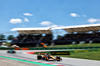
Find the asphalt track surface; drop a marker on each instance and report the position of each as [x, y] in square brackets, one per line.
[65, 61]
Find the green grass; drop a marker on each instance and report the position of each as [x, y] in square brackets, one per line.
[94, 55]
[77, 45]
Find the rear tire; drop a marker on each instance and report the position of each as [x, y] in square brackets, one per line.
[13, 52]
[39, 57]
[7, 51]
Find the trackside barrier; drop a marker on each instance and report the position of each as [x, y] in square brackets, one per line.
[17, 48]
[57, 48]
[72, 51]
[25, 48]
[2, 48]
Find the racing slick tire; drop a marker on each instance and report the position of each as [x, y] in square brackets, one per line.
[58, 58]
[13, 52]
[39, 57]
[8, 51]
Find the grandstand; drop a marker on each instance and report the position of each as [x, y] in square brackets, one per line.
[80, 34]
[32, 37]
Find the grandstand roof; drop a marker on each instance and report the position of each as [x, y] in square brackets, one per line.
[32, 30]
[81, 28]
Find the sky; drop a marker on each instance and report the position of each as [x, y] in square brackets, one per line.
[47, 13]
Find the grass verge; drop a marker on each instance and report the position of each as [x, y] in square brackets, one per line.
[94, 55]
[77, 45]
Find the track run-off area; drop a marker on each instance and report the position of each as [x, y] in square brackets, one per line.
[21, 55]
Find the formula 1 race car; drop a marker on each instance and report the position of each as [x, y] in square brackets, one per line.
[48, 57]
[11, 51]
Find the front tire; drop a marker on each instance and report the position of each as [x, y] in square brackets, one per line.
[58, 58]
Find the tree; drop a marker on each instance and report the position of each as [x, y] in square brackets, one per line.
[2, 37]
[59, 36]
[10, 37]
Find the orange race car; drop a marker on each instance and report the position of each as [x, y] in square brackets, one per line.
[48, 57]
